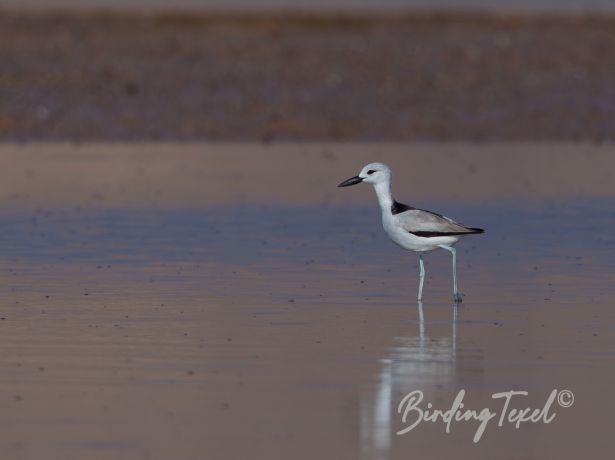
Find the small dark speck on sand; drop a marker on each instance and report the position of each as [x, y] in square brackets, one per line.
[131, 88]
[229, 340]
[291, 300]
[595, 334]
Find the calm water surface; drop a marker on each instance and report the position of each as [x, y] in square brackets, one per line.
[143, 331]
[256, 329]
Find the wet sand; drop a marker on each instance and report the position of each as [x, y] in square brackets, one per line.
[167, 175]
[167, 302]
[415, 76]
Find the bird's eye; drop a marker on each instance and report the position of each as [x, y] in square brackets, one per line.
[371, 171]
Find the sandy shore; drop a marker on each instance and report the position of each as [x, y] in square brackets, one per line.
[168, 175]
[417, 77]
[173, 302]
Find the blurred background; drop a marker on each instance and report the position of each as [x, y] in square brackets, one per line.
[468, 70]
[182, 279]
[340, 5]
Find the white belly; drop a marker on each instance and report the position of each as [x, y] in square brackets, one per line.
[412, 242]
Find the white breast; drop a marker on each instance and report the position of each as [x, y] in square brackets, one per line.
[410, 241]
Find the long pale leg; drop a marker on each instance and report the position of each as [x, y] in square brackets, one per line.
[456, 293]
[421, 327]
[454, 334]
[421, 277]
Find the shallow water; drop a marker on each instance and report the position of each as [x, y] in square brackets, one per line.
[144, 327]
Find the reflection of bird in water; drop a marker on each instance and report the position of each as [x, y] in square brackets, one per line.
[414, 363]
[414, 229]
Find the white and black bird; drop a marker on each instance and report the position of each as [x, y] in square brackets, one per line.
[411, 228]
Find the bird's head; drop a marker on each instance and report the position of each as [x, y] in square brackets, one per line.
[372, 173]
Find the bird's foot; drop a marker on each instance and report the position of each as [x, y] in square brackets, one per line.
[457, 297]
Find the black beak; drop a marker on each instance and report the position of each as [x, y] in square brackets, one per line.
[352, 181]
